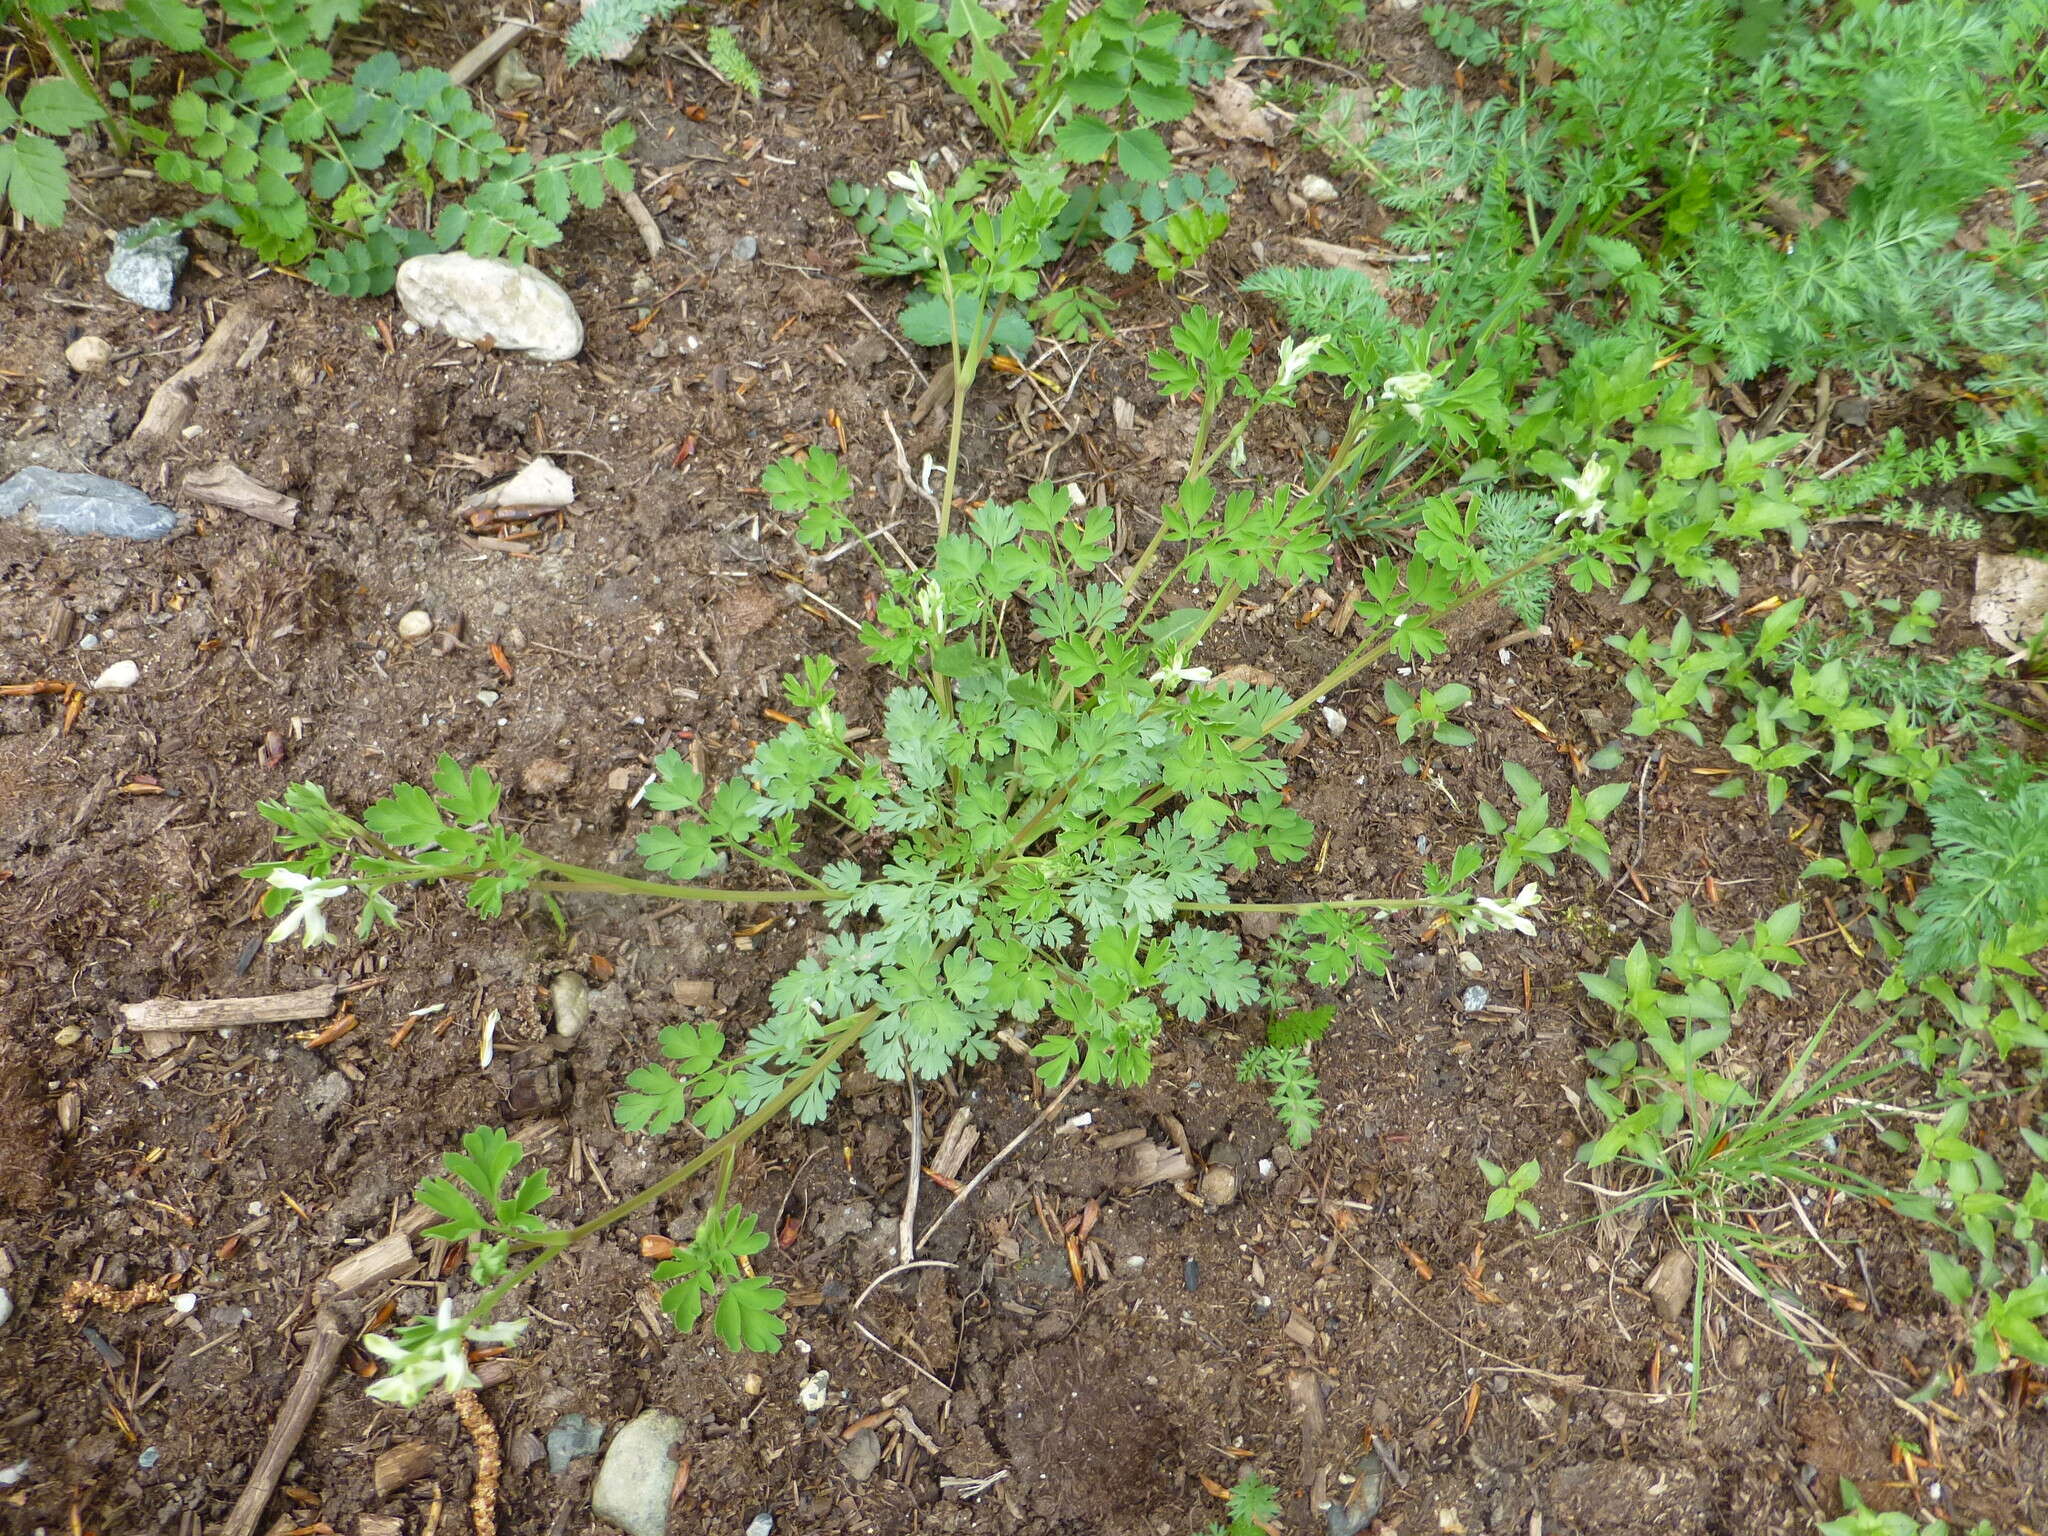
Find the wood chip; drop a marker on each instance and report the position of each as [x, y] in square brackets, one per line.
[955, 1146]
[237, 341]
[1150, 1163]
[402, 1466]
[226, 486]
[384, 1260]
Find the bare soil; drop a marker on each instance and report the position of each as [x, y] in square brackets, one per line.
[1349, 1296]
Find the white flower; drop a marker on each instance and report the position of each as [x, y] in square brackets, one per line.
[1177, 671]
[931, 606]
[1584, 489]
[1408, 388]
[306, 913]
[1500, 916]
[440, 1357]
[916, 189]
[1295, 356]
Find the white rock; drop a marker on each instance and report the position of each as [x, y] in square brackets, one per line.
[540, 487]
[122, 674]
[416, 625]
[89, 354]
[816, 1388]
[1317, 189]
[518, 308]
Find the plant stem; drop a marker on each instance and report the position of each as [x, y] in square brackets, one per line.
[555, 1244]
[580, 877]
[1376, 903]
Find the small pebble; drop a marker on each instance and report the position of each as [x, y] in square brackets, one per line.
[185, 1302]
[746, 248]
[69, 1036]
[89, 354]
[148, 1458]
[122, 674]
[6, 1307]
[861, 1455]
[416, 625]
[1474, 999]
[89, 642]
[1317, 189]
[571, 995]
[572, 1438]
[1335, 720]
[1191, 1275]
[762, 1524]
[811, 1396]
[1218, 1186]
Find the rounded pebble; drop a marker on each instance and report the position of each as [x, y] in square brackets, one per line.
[122, 674]
[1317, 189]
[1474, 999]
[571, 995]
[89, 354]
[416, 625]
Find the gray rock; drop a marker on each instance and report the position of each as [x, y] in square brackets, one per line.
[762, 1524]
[745, 249]
[514, 77]
[633, 1485]
[861, 1455]
[328, 1096]
[146, 262]
[83, 504]
[843, 1221]
[518, 308]
[1361, 1506]
[1475, 998]
[572, 1437]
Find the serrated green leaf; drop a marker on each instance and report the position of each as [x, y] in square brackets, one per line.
[33, 180]
[56, 106]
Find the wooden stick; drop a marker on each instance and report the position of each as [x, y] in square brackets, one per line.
[386, 1259]
[650, 232]
[330, 1333]
[236, 340]
[487, 52]
[168, 1013]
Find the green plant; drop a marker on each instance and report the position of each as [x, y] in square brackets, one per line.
[1309, 28]
[1283, 1064]
[1254, 1507]
[33, 180]
[1429, 713]
[1036, 840]
[1677, 153]
[608, 29]
[1859, 1519]
[1175, 245]
[1711, 1152]
[1530, 839]
[731, 61]
[348, 174]
[1511, 1190]
[1460, 36]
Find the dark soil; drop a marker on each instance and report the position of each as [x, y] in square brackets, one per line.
[1348, 1297]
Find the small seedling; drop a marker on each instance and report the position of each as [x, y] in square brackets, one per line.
[1510, 1191]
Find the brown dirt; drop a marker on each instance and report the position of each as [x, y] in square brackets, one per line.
[1350, 1292]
